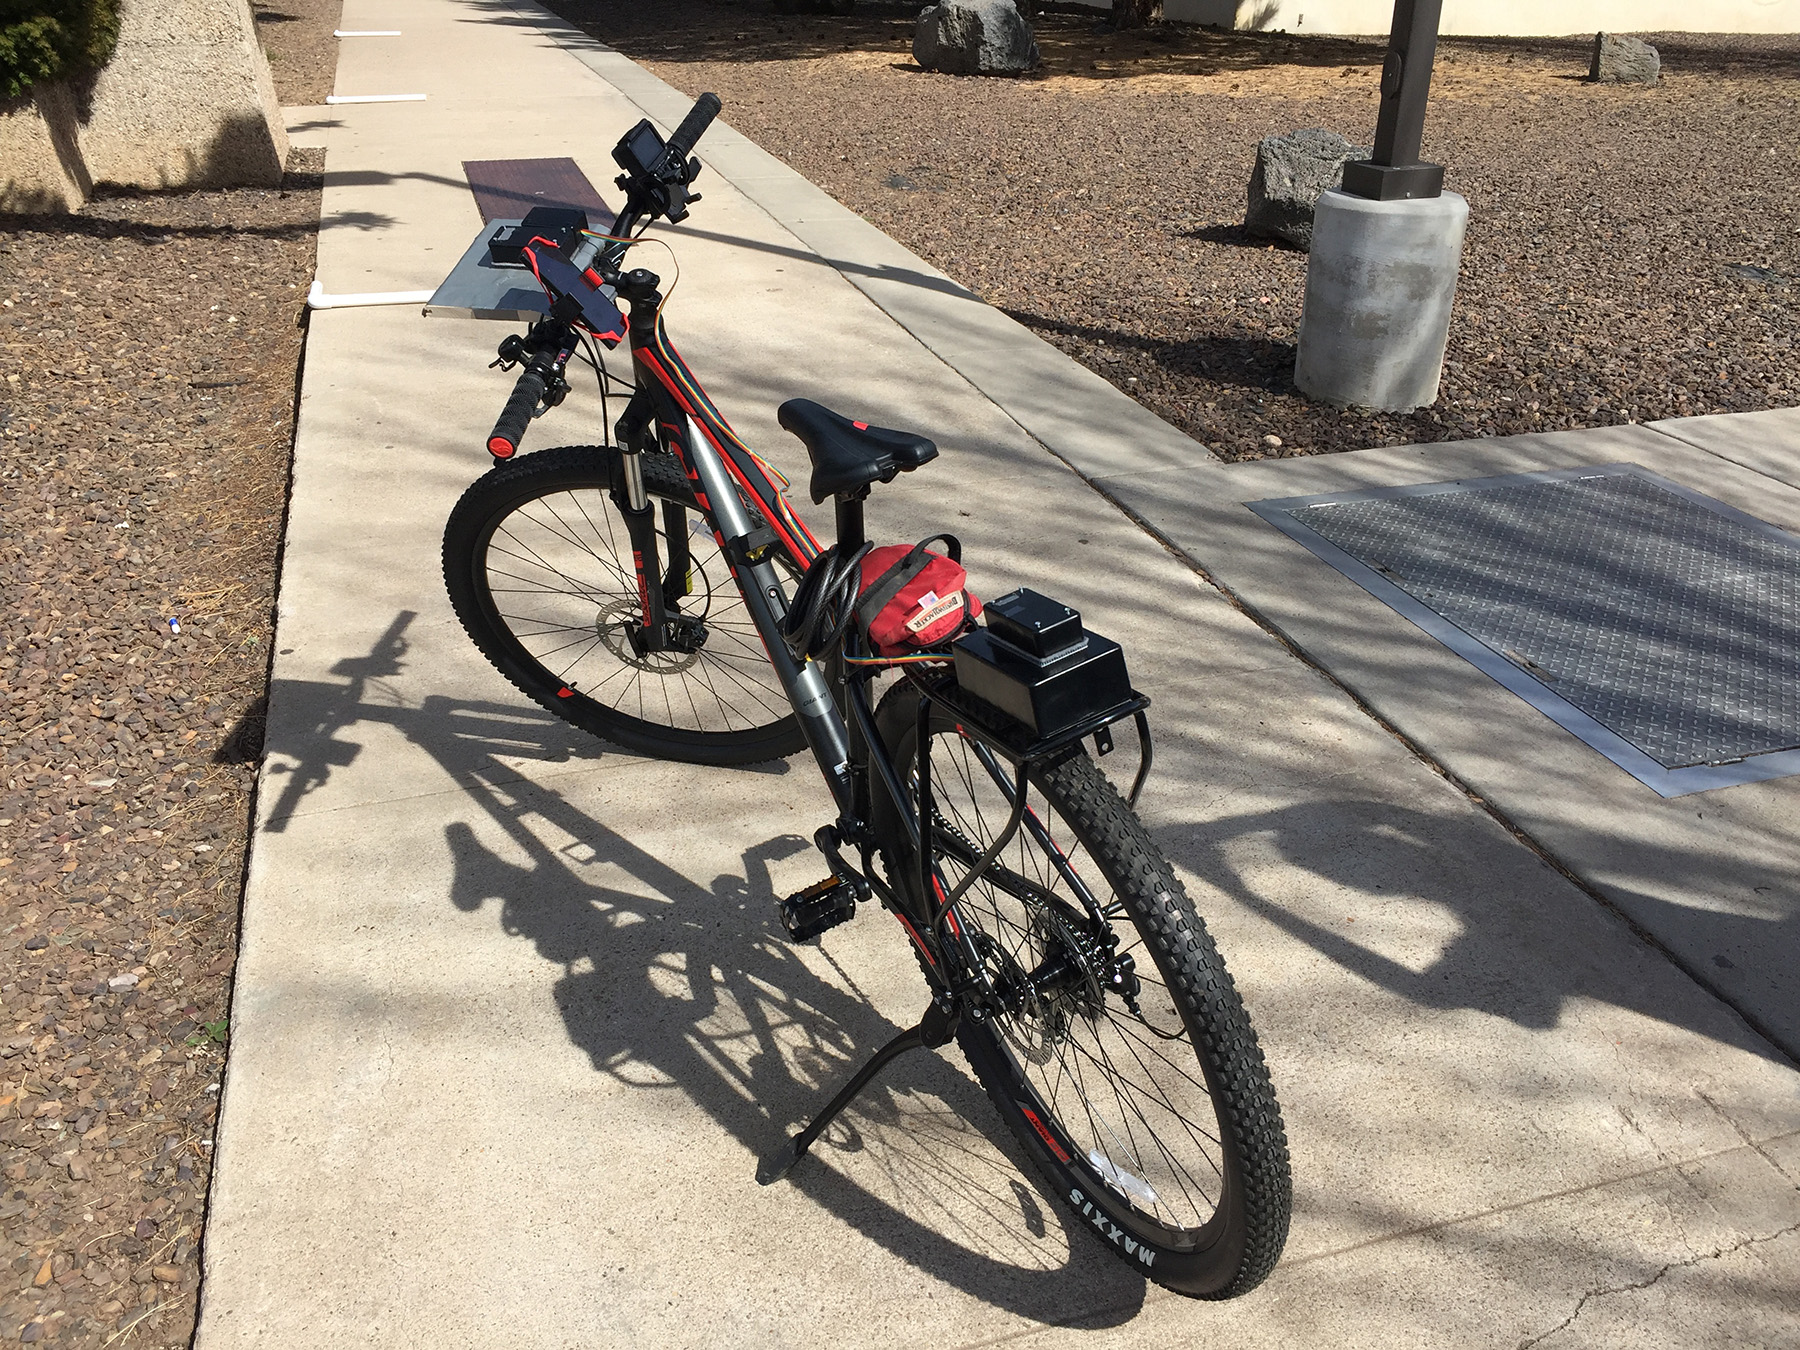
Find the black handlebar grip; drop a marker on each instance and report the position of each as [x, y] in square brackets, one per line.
[692, 128]
[503, 441]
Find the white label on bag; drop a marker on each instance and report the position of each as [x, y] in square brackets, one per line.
[931, 609]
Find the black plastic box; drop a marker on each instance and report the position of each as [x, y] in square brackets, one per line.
[1033, 624]
[561, 225]
[1047, 696]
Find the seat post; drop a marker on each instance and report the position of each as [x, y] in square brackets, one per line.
[850, 521]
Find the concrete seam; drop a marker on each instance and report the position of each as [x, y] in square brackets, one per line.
[1755, 1024]
[1744, 1134]
[1686, 444]
[458, 784]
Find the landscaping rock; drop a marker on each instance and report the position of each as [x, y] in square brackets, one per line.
[1291, 171]
[1624, 60]
[974, 37]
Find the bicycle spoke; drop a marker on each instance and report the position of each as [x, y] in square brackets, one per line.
[561, 573]
[1129, 1094]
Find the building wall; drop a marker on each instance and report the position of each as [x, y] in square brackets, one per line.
[1501, 18]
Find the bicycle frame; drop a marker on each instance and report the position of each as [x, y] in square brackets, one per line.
[671, 410]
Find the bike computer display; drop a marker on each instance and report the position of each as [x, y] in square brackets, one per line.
[639, 150]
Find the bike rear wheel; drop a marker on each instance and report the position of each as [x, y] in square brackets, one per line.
[539, 567]
[1154, 1125]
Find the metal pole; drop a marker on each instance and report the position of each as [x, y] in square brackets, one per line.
[1396, 170]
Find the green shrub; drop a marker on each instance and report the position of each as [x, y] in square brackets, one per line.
[47, 39]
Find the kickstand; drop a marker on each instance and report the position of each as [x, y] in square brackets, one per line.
[934, 1029]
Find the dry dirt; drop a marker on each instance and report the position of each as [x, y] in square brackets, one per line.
[1632, 253]
[150, 347]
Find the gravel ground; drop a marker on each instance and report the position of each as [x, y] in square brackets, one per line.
[1632, 253]
[150, 346]
[296, 37]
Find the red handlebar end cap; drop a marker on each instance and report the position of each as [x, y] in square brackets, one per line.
[501, 448]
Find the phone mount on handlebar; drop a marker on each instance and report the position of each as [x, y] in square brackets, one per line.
[545, 242]
[573, 298]
[656, 171]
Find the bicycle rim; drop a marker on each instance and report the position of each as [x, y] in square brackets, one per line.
[550, 565]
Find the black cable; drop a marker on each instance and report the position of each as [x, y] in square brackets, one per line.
[824, 603]
[594, 359]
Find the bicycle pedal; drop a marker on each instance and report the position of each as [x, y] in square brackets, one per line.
[822, 905]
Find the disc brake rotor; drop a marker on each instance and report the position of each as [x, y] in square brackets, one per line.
[613, 623]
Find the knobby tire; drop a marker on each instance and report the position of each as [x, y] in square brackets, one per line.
[544, 527]
[1236, 1246]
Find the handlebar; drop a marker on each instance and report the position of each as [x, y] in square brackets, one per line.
[503, 441]
[654, 190]
[660, 189]
[692, 128]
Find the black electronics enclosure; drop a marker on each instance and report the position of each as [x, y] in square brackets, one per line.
[1036, 663]
[561, 225]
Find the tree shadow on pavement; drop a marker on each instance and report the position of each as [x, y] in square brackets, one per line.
[669, 984]
[1351, 843]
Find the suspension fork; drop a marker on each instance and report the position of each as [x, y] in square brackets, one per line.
[754, 571]
[640, 526]
[676, 584]
[633, 503]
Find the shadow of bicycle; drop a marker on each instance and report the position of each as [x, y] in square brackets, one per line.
[668, 985]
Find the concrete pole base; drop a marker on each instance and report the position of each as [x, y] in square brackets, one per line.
[1379, 283]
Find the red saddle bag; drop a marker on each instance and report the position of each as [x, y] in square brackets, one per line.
[914, 598]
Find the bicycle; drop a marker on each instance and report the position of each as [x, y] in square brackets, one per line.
[641, 590]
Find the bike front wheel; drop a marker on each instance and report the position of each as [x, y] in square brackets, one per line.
[1124, 1061]
[539, 567]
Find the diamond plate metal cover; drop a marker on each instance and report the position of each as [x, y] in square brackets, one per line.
[1670, 620]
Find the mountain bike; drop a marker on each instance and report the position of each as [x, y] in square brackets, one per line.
[659, 591]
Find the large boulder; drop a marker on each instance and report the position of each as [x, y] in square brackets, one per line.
[1291, 171]
[1623, 60]
[975, 37]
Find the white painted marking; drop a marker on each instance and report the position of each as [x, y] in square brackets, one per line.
[316, 298]
[375, 98]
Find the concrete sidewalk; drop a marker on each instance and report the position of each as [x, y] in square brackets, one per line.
[513, 1021]
[1714, 876]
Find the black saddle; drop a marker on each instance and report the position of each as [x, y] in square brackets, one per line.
[848, 455]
